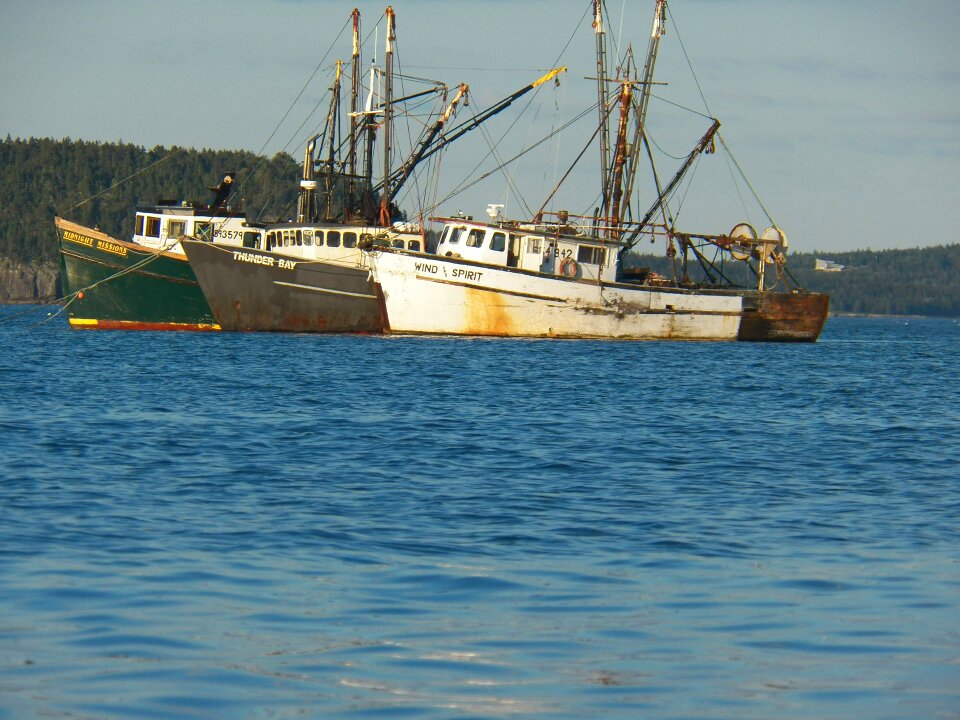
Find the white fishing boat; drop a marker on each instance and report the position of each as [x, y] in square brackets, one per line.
[566, 276]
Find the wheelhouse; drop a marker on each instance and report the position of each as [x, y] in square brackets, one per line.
[160, 225]
[529, 247]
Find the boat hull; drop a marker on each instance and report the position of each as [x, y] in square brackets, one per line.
[266, 291]
[436, 295]
[783, 317]
[124, 286]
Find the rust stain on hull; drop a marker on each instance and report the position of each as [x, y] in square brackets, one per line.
[487, 313]
[795, 317]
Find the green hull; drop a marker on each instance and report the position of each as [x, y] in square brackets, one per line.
[121, 285]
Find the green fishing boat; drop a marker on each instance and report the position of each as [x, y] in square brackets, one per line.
[146, 283]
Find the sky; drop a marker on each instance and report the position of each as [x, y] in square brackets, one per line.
[844, 115]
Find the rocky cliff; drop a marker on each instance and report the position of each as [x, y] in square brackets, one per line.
[28, 282]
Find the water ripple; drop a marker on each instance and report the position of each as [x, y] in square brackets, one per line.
[430, 527]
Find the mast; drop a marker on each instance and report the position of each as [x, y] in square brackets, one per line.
[620, 156]
[371, 128]
[354, 96]
[333, 117]
[385, 219]
[307, 184]
[658, 30]
[600, 35]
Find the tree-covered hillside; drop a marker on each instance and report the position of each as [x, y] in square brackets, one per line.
[40, 178]
[888, 282]
[885, 282]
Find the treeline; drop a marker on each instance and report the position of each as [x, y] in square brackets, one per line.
[922, 281]
[100, 183]
[97, 183]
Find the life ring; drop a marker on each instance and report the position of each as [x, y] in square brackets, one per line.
[569, 267]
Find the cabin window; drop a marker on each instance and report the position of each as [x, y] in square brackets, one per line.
[139, 229]
[591, 255]
[445, 236]
[534, 245]
[499, 242]
[333, 238]
[299, 238]
[414, 245]
[176, 228]
[153, 227]
[251, 240]
[398, 243]
[308, 237]
[350, 239]
[455, 235]
[475, 238]
[287, 239]
[201, 231]
[270, 241]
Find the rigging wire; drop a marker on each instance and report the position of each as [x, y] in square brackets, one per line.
[467, 183]
[683, 49]
[293, 104]
[719, 135]
[507, 176]
[623, 15]
[745, 179]
[736, 184]
[173, 151]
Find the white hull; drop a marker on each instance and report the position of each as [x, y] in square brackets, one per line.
[429, 294]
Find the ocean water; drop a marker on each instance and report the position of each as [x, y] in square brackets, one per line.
[294, 526]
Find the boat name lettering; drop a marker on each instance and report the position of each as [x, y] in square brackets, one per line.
[286, 264]
[467, 274]
[111, 247]
[253, 258]
[77, 238]
[228, 234]
[427, 268]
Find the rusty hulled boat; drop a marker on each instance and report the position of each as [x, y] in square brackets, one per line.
[309, 280]
[568, 276]
[146, 283]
